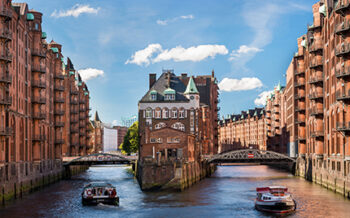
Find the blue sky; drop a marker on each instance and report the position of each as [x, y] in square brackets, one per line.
[116, 44]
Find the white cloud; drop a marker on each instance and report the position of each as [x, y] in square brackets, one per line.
[90, 73]
[261, 99]
[144, 56]
[167, 21]
[246, 83]
[193, 53]
[244, 50]
[75, 11]
[114, 122]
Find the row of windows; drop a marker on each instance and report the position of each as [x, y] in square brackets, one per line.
[177, 125]
[169, 140]
[165, 113]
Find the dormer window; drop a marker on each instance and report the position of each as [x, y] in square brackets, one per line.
[169, 94]
[153, 95]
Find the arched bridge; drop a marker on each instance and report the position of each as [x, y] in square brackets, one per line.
[250, 156]
[100, 159]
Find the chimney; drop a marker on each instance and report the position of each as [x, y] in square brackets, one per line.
[212, 73]
[152, 79]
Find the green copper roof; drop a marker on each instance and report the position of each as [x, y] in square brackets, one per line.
[71, 73]
[234, 119]
[279, 88]
[153, 92]
[169, 91]
[43, 35]
[55, 50]
[242, 117]
[323, 10]
[86, 93]
[80, 84]
[262, 112]
[303, 43]
[30, 16]
[191, 87]
[256, 113]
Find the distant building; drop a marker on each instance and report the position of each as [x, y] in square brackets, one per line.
[96, 135]
[245, 130]
[110, 139]
[128, 121]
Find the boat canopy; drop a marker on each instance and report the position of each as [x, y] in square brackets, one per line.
[272, 189]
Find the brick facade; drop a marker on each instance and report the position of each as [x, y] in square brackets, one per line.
[33, 111]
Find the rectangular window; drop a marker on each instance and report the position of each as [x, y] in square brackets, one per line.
[153, 97]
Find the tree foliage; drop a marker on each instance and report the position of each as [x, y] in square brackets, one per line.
[131, 139]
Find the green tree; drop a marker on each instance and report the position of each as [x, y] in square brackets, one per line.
[131, 139]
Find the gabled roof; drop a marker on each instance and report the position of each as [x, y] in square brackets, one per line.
[97, 118]
[165, 81]
[191, 87]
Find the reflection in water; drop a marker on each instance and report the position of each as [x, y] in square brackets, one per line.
[230, 192]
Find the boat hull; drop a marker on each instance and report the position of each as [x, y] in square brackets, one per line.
[277, 207]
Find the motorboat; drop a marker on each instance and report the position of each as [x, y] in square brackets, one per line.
[274, 199]
[99, 192]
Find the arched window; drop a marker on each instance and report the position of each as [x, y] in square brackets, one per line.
[149, 113]
[158, 113]
[160, 125]
[174, 113]
[165, 114]
[179, 126]
[182, 113]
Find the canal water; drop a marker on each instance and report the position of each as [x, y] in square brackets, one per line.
[230, 192]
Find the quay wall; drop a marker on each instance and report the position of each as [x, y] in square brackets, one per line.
[321, 172]
[14, 187]
[172, 175]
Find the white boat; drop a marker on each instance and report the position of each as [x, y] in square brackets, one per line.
[274, 199]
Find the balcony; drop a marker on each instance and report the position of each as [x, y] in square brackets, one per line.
[316, 63]
[299, 121]
[301, 138]
[300, 108]
[5, 56]
[299, 84]
[343, 96]
[74, 92]
[74, 111]
[5, 131]
[342, 49]
[5, 78]
[74, 121]
[342, 28]
[59, 141]
[5, 100]
[300, 71]
[316, 111]
[74, 130]
[343, 73]
[38, 53]
[342, 6]
[316, 46]
[299, 96]
[315, 79]
[38, 100]
[38, 84]
[6, 12]
[317, 134]
[38, 69]
[59, 100]
[316, 96]
[59, 112]
[38, 137]
[5, 34]
[59, 88]
[39, 116]
[312, 27]
[344, 127]
[59, 124]
[59, 76]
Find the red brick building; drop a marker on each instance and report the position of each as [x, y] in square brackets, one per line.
[245, 130]
[32, 99]
[96, 135]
